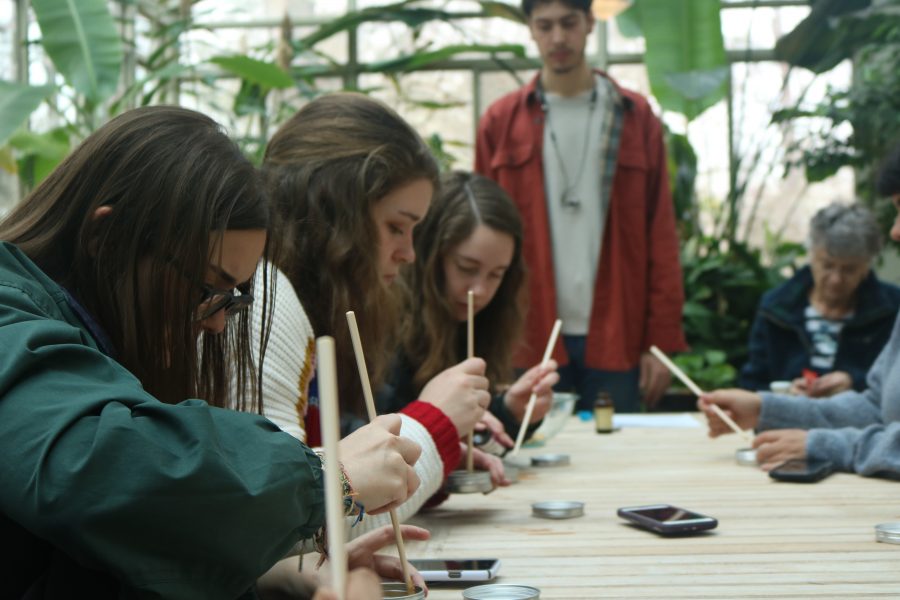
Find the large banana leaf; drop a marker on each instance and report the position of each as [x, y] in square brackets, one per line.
[265, 74]
[39, 153]
[685, 56]
[423, 58]
[8, 162]
[81, 39]
[17, 102]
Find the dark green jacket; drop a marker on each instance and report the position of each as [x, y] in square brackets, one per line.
[169, 501]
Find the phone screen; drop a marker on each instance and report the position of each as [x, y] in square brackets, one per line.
[461, 569]
[666, 519]
[666, 514]
[453, 565]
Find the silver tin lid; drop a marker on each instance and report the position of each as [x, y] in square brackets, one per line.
[888, 533]
[465, 482]
[746, 457]
[550, 460]
[511, 472]
[558, 509]
[516, 461]
[502, 591]
[396, 590]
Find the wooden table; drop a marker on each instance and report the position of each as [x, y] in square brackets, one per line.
[774, 540]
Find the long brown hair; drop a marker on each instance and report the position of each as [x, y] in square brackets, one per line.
[174, 181]
[326, 167]
[431, 334]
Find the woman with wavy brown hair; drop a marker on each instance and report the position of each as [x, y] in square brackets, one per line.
[470, 240]
[351, 179]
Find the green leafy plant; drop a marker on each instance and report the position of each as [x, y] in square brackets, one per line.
[685, 57]
[710, 369]
[299, 63]
[84, 44]
[860, 123]
[724, 282]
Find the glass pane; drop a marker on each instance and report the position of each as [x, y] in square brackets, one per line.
[415, 101]
[8, 189]
[771, 201]
[496, 84]
[618, 43]
[229, 10]
[759, 28]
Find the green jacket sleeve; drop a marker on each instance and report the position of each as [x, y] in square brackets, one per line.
[175, 501]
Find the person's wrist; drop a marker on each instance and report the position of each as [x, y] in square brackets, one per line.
[352, 506]
[516, 409]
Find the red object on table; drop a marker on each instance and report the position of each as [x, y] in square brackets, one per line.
[809, 376]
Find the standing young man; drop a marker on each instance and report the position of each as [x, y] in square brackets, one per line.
[584, 161]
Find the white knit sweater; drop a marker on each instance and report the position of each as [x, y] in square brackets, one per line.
[287, 371]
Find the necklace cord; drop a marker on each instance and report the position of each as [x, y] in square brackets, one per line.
[568, 184]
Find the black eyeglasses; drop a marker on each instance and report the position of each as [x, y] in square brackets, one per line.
[213, 300]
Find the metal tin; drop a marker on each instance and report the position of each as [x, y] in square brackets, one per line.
[517, 461]
[485, 441]
[746, 457]
[397, 590]
[550, 460]
[520, 462]
[465, 482]
[558, 509]
[502, 591]
[511, 472]
[889, 533]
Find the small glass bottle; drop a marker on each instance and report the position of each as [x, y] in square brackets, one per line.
[603, 413]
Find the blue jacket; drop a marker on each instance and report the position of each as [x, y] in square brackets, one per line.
[780, 347]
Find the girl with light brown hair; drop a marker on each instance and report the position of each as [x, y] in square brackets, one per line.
[351, 180]
[470, 240]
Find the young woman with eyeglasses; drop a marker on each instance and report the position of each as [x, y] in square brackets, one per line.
[351, 180]
[116, 276]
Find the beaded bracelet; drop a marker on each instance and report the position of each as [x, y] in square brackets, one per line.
[352, 508]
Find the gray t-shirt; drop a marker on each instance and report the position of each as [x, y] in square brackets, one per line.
[572, 169]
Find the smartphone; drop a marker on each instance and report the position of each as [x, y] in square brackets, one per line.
[802, 471]
[461, 569]
[666, 519]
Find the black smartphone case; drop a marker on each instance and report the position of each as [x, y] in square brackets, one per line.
[816, 471]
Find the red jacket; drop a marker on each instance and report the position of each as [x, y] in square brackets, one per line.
[638, 294]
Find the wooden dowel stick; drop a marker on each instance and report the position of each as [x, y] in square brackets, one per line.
[370, 409]
[361, 365]
[697, 391]
[548, 352]
[470, 352]
[331, 437]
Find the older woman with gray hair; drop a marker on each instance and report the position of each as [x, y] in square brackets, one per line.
[823, 328]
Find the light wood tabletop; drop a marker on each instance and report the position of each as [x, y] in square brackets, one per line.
[774, 539]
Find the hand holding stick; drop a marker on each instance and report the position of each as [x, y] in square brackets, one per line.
[370, 409]
[696, 390]
[523, 427]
